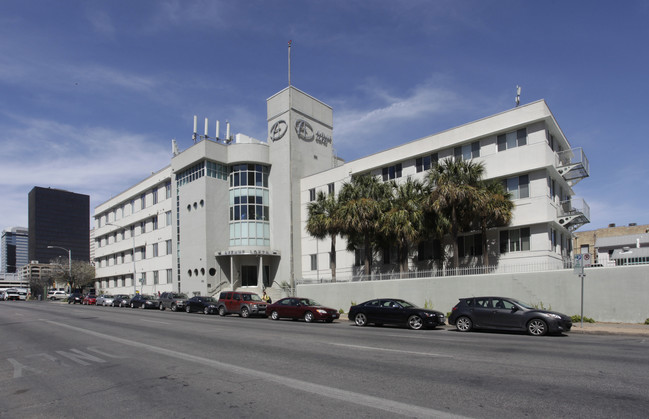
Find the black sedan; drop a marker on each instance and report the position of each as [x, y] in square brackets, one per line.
[504, 313]
[206, 305]
[121, 300]
[143, 301]
[394, 311]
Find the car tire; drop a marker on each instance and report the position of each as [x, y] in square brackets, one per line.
[132, 305]
[69, 302]
[161, 307]
[463, 324]
[174, 307]
[415, 322]
[274, 315]
[245, 313]
[188, 309]
[206, 310]
[360, 319]
[308, 317]
[222, 311]
[537, 327]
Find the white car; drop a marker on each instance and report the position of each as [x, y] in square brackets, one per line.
[57, 295]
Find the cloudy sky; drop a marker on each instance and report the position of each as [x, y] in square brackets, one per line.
[92, 92]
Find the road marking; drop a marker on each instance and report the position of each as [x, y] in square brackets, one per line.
[392, 350]
[154, 321]
[391, 406]
[18, 368]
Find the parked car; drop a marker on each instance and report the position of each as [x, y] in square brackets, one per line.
[121, 300]
[505, 313]
[89, 299]
[57, 295]
[172, 300]
[15, 294]
[395, 311]
[245, 304]
[75, 298]
[143, 301]
[104, 300]
[206, 305]
[301, 308]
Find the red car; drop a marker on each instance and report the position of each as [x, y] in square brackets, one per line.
[301, 308]
[89, 299]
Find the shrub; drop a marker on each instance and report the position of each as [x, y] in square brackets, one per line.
[428, 304]
[646, 321]
[341, 311]
[577, 319]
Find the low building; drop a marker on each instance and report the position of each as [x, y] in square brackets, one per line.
[615, 245]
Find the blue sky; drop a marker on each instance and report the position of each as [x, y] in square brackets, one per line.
[92, 92]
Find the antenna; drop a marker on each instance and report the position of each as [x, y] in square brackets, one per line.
[289, 62]
[195, 126]
[174, 147]
[518, 95]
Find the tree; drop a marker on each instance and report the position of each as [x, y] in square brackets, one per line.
[454, 185]
[362, 202]
[403, 222]
[82, 273]
[323, 221]
[493, 208]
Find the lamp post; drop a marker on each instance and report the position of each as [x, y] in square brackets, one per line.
[69, 262]
[133, 237]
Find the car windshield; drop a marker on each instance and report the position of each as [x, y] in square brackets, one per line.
[209, 300]
[250, 297]
[309, 302]
[179, 296]
[406, 304]
[523, 304]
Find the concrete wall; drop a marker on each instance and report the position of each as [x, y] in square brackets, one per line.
[619, 294]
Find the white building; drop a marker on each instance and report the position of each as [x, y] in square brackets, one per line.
[237, 206]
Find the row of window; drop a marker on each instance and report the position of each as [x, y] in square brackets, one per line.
[145, 225]
[136, 204]
[146, 278]
[248, 175]
[203, 168]
[120, 258]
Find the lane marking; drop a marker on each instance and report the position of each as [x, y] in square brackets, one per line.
[373, 348]
[391, 406]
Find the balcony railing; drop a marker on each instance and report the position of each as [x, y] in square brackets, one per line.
[573, 213]
[572, 165]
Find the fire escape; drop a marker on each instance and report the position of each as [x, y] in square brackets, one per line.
[572, 165]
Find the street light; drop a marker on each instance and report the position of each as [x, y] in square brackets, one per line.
[133, 237]
[69, 262]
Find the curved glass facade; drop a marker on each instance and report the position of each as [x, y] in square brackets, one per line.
[249, 202]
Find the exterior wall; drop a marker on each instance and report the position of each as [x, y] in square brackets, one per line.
[536, 159]
[610, 294]
[113, 221]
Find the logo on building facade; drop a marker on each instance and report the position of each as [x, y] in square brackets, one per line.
[305, 132]
[278, 130]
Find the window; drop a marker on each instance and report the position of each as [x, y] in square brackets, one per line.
[133, 206]
[392, 172]
[467, 151]
[512, 139]
[585, 249]
[314, 262]
[429, 250]
[168, 246]
[168, 218]
[143, 201]
[156, 278]
[311, 194]
[154, 223]
[426, 162]
[154, 195]
[168, 190]
[330, 189]
[518, 186]
[169, 276]
[142, 227]
[155, 250]
[517, 240]
[143, 252]
[470, 245]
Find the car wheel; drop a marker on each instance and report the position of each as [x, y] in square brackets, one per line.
[360, 319]
[69, 302]
[206, 310]
[187, 309]
[174, 307]
[308, 317]
[245, 313]
[464, 324]
[161, 307]
[222, 311]
[415, 322]
[274, 315]
[132, 305]
[537, 327]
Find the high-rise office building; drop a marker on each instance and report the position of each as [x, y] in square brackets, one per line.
[14, 249]
[61, 220]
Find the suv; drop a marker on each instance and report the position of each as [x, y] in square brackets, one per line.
[172, 300]
[57, 295]
[245, 304]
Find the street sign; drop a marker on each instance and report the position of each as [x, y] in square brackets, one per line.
[586, 259]
[578, 264]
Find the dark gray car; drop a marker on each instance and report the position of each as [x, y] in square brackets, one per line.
[174, 301]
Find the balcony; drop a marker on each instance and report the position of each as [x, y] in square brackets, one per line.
[573, 213]
[572, 165]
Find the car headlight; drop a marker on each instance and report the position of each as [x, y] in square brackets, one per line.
[321, 311]
[430, 314]
[554, 316]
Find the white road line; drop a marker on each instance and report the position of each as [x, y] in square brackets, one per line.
[373, 348]
[391, 406]
[154, 321]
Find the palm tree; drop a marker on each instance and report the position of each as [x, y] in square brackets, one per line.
[361, 203]
[493, 209]
[455, 185]
[323, 221]
[403, 223]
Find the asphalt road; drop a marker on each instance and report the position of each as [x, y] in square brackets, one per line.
[59, 360]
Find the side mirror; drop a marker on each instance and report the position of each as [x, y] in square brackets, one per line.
[514, 309]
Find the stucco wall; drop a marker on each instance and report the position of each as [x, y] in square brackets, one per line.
[619, 294]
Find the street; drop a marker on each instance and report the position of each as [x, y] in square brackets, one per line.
[60, 360]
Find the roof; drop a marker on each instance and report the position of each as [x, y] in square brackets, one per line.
[630, 240]
[636, 252]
